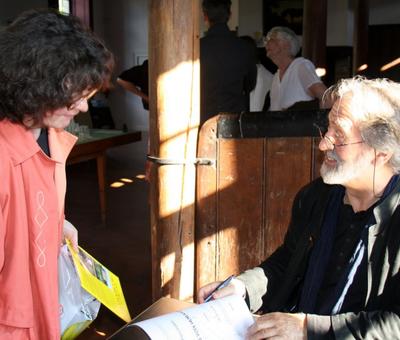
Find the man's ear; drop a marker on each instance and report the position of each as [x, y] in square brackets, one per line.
[378, 128]
[383, 157]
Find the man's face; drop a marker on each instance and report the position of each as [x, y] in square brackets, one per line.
[347, 158]
[61, 118]
[343, 171]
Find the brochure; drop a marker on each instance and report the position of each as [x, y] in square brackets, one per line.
[100, 282]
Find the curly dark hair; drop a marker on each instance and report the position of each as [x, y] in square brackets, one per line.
[47, 60]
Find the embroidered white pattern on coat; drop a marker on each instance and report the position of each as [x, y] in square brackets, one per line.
[41, 218]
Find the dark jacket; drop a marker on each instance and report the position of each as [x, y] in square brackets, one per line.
[228, 72]
[277, 278]
[138, 76]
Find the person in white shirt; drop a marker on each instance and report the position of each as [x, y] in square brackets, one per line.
[263, 86]
[263, 82]
[295, 80]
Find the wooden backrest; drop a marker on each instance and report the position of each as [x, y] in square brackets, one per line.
[243, 201]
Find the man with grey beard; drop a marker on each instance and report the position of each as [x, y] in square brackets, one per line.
[337, 273]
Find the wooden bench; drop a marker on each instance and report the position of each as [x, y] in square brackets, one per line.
[243, 202]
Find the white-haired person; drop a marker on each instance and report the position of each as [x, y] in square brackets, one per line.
[337, 273]
[296, 80]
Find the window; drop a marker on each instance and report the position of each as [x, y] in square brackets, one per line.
[80, 8]
[64, 6]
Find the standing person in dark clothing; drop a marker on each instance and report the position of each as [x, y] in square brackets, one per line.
[136, 80]
[228, 70]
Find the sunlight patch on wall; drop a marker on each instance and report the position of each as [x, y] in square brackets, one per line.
[167, 268]
[175, 90]
[186, 284]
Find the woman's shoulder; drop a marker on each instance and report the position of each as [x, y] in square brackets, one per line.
[302, 61]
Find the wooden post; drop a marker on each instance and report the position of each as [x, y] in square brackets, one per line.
[174, 116]
[360, 35]
[314, 31]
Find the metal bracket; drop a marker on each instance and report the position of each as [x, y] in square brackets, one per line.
[170, 161]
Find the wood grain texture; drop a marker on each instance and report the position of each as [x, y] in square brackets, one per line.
[244, 204]
[174, 115]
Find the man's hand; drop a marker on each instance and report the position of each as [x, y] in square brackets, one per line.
[235, 287]
[279, 326]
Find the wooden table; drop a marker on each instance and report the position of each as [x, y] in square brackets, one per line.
[96, 146]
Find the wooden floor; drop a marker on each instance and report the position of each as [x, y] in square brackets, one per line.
[123, 245]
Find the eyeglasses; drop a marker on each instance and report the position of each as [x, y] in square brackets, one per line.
[78, 102]
[331, 144]
[267, 38]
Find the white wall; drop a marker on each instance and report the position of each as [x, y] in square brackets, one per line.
[340, 18]
[250, 19]
[233, 22]
[123, 24]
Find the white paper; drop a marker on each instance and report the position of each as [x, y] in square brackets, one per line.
[221, 319]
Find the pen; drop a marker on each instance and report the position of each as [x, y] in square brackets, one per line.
[220, 286]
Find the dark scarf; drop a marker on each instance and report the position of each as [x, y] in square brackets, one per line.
[43, 141]
[321, 254]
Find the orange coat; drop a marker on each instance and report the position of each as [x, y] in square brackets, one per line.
[32, 190]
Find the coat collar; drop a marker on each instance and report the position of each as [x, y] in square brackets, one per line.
[17, 138]
[218, 29]
[384, 211]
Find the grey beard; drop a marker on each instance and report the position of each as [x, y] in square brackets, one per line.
[344, 171]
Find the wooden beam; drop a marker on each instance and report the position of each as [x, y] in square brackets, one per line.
[314, 31]
[174, 116]
[360, 35]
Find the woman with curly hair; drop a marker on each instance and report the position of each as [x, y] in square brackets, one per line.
[50, 65]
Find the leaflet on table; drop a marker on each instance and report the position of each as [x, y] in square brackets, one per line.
[100, 282]
[225, 318]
